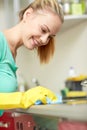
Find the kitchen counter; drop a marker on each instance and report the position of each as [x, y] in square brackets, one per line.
[73, 112]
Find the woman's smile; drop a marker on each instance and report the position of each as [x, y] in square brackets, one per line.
[35, 43]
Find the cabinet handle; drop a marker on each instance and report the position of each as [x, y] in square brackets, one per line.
[4, 124]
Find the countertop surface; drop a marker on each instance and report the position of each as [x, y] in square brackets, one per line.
[74, 112]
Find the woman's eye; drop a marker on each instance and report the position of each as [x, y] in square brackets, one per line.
[49, 37]
[43, 30]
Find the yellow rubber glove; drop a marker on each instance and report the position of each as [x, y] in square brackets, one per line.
[25, 99]
[10, 100]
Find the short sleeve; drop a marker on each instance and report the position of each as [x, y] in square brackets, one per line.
[1, 46]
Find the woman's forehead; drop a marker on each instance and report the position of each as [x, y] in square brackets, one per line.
[46, 10]
[48, 18]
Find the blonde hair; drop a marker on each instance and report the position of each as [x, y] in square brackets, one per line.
[45, 52]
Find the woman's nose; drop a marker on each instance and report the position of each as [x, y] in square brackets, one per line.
[44, 39]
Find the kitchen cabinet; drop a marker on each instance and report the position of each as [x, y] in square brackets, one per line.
[15, 121]
[48, 117]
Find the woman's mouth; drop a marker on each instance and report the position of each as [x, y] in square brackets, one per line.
[35, 42]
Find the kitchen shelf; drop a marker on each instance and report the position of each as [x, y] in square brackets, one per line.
[74, 17]
[73, 20]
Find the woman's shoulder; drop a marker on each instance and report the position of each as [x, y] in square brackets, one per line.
[2, 38]
[1, 35]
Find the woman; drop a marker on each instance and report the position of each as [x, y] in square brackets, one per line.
[39, 24]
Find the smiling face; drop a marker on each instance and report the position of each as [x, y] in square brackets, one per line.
[38, 27]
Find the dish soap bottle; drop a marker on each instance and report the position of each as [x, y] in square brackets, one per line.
[72, 72]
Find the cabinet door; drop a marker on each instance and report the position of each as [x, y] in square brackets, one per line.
[24, 122]
[6, 122]
[11, 121]
[72, 125]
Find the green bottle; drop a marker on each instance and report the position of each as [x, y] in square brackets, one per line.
[83, 3]
[76, 7]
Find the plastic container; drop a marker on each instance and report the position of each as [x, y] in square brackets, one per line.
[66, 7]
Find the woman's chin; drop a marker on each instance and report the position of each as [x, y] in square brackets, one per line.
[31, 47]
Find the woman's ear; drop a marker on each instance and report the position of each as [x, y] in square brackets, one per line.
[27, 14]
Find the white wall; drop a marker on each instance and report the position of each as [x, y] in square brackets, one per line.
[2, 17]
[71, 50]
[6, 14]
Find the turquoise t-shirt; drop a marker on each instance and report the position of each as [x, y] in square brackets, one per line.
[8, 79]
